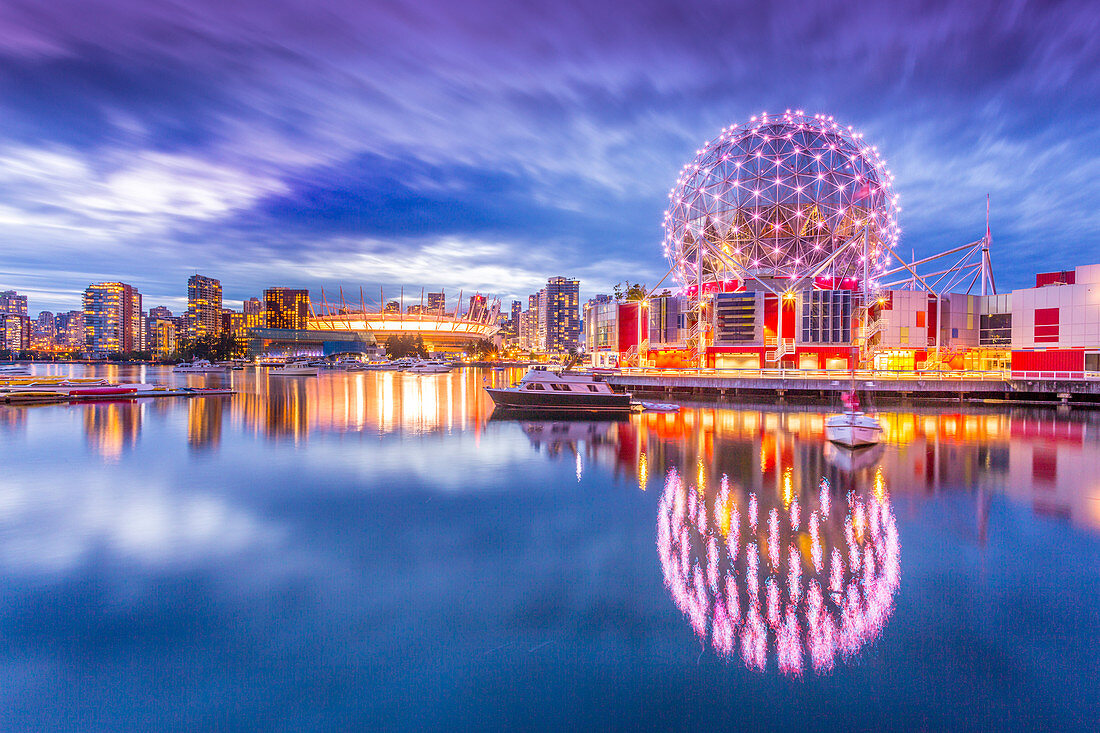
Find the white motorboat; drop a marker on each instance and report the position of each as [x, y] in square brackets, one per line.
[541, 390]
[200, 366]
[852, 428]
[295, 369]
[429, 366]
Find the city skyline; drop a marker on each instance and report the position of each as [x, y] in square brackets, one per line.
[132, 151]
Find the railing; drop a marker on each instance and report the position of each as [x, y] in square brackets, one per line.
[838, 375]
[785, 347]
[1055, 375]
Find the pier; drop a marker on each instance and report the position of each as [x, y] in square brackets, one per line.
[889, 387]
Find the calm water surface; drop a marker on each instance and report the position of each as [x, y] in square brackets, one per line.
[347, 550]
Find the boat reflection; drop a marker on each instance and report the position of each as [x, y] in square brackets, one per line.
[858, 459]
[801, 580]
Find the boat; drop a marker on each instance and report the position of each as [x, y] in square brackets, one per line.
[295, 369]
[429, 366]
[852, 428]
[541, 390]
[199, 366]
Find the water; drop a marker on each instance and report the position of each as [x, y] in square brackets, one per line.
[372, 549]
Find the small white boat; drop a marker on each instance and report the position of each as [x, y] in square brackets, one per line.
[853, 429]
[199, 366]
[295, 369]
[429, 366]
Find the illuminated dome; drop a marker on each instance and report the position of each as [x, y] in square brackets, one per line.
[806, 581]
[777, 197]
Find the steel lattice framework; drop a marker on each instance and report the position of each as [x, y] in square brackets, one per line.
[782, 196]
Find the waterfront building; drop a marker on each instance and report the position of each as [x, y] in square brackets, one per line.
[12, 302]
[15, 332]
[160, 335]
[601, 338]
[562, 320]
[286, 308]
[112, 318]
[204, 307]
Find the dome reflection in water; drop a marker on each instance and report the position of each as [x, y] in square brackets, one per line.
[805, 578]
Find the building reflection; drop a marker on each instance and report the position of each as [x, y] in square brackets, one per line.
[204, 422]
[111, 427]
[1032, 456]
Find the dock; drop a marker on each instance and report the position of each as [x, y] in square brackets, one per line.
[986, 387]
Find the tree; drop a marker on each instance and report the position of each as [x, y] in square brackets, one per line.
[627, 291]
[483, 349]
[401, 347]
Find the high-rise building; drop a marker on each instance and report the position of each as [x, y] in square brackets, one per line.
[436, 303]
[252, 307]
[112, 318]
[13, 302]
[69, 328]
[286, 308]
[478, 307]
[160, 311]
[393, 307]
[563, 318]
[15, 332]
[204, 307]
[540, 320]
[531, 323]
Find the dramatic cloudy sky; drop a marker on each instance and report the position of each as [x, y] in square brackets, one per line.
[487, 144]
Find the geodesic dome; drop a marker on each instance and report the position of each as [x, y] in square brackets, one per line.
[777, 197]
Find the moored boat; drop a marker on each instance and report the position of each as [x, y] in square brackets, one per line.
[852, 428]
[429, 366]
[199, 366]
[544, 391]
[295, 369]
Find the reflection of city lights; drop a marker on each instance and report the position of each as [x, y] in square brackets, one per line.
[643, 472]
[777, 607]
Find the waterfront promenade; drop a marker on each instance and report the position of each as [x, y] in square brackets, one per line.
[981, 386]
